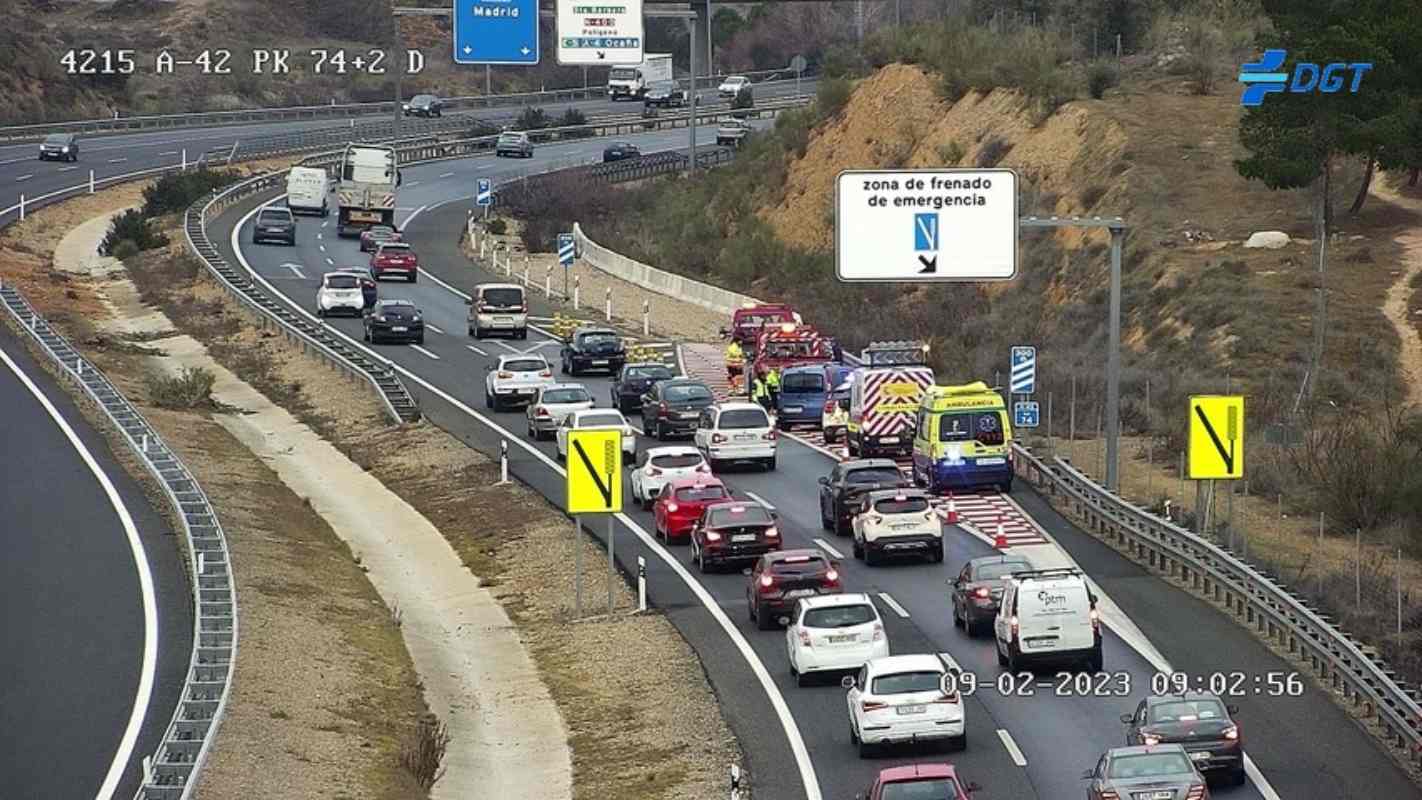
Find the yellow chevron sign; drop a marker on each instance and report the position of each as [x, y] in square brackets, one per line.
[1216, 441]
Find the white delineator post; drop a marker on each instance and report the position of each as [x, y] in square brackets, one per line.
[503, 461]
[548, 282]
[577, 292]
[607, 294]
[642, 584]
[646, 318]
[91, 181]
[22, 208]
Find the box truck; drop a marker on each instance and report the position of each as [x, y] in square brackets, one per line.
[365, 194]
[632, 80]
[306, 190]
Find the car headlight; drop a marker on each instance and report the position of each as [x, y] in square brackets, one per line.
[415, 318]
[379, 317]
[65, 149]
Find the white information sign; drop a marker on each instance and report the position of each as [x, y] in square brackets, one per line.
[600, 32]
[926, 225]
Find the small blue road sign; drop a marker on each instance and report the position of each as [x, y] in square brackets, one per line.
[925, 233]
[1025, 414]
[484, 194]
[496, 32]
[1024, 370]
[565, 249]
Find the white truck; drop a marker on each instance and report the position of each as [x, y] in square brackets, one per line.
[632, 80]
[306, 190]
[365, 191]
[885, 397]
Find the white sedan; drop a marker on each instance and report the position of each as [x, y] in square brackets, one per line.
[340, 291]
[658, 466]
[515, 379]
[901, 699]
[732, 85]
[833, 632]
[597, 418]
[552, 404]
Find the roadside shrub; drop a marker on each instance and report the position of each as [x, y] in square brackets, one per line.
[1092, 195]
[131, 226]
[951, 153]
[1100, 76]
[422, 754]
[481, 128]
[191, 388]
[176, 191]
[572, 118]
[531, 119]
[992, 152]
[125, 250]
[498, 227]
[832, 96]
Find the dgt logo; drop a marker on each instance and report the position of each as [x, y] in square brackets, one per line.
[1263, 77]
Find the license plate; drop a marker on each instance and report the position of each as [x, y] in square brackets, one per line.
[600, 362]
[503, 320]
[1039, 642]
[889, 440]
[848, 637]
[399, 329]
[745, 437]
[800, 593]
[1201, 756]
[794, 409]
[901, 526]
[744, 537]
[916, 709]
[989, 462]
[1163, 794]
[687, 415]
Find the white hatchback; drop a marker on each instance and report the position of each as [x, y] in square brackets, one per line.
[832, 633]
[514, 379]
[340, 291]
[597, 418]
[736, 432]
[552, 404]
[658, 466]
[901, 699]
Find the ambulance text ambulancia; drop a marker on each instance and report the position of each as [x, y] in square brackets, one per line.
[963, 439]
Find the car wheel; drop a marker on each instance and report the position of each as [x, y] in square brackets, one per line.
[959, 743]
[701, 563]
[764, 622]
[320, 312]
[523, 334]
[1095, 662]
[498, 404]
[769, 464]
[1001, 659]
[420, 339]
[825, 522]
[365, 334]
[1014, 664]
[661, 432]
[750, 612]
[1238, 777]
[936, 554]
[488, 399]
[853, 734]
[858, 549]
[474, 332]
[871, 557]
[841, 529]
[866, 750]
[800, 678]
[958, 620]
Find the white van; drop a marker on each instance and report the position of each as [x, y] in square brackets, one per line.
[498, 308]
[1048, 615]
[306, 191]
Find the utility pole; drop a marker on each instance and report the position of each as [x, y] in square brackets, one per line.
[691, 104]
[709, 70]
[399, 68]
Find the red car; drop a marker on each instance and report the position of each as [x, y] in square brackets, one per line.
[780, 578]
[914, 781]
[375, 235]
[733, 531]
[395, 258]
[681, 503]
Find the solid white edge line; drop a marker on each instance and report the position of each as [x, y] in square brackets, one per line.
[477, 350]
[419, 349]
[894, 604]
[20, 178]
[950, 662]
[828, 548]
[144, 694]
[798, 749]
[1013, 751]
[446, 174]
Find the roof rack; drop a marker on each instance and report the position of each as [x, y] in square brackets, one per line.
[1056, 572]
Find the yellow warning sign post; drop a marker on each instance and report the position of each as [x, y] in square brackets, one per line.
[1216, 442]
[594, 487]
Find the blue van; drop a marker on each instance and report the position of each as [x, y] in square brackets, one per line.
[804, 392]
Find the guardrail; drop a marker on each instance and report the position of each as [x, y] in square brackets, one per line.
[1258, 601]
[17, 133]
[167, 774]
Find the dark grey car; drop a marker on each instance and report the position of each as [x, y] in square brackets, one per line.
[394, 320]
[514, 143]
[671, 408]
[424, 105]
[978, 589]
[274, 224]
[1197, 721]
[59, 147]
[1161, 772]
[665, 94]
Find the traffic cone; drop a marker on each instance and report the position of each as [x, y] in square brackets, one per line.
[999, 539]
[952, 517]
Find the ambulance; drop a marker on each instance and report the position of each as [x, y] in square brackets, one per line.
[963, 439]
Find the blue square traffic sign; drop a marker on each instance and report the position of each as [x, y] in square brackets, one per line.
[484, 192]
[566, 249]
[1025, 415]
[496, 32]
[925, 233]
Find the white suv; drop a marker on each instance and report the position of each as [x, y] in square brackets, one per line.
[1048, 615]
[736, 432]
[897, 522]
[658, 466]
[515, 379]
[340, 291]
[833, 632]
[900, 699]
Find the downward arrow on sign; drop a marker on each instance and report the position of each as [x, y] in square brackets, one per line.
[601, 54]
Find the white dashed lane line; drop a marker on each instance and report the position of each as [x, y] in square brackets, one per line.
[825, 546]
[1013, 751]
[419, 349]
[893, 604]
[20, 178]
[65, 169]
[329, 260]
[117, 160]
[433, 328]
[168, 153]
[477, 350]
[446, 174]
[761, 500]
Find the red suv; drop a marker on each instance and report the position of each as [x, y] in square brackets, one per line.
[780, 578]
[918, 780]
[395, 258]
[682, 502]
[732, 531]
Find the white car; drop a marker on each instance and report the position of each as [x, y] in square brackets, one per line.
[732, 85]
[736, 432]
[340, 291]
[890, 522]
[833, 632]
[597, 418]
[514, 379]
[1048, 615]
[658, 466]
[900, 699]
[552, 404]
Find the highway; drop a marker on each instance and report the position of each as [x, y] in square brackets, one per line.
[1019, 747]
[95, 610]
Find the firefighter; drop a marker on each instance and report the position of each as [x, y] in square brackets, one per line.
[735, 359]
[759, 393]
[772, 385]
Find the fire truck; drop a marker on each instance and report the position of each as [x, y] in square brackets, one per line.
[885, 398]
[748, 322]
[788, 344]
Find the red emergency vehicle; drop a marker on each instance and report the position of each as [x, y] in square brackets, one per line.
[789, 345]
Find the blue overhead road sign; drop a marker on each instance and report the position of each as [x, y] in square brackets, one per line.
[484, 192]
[496, 32]
[1024, 370]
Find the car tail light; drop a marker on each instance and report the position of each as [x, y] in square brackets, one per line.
[547, 373]
[653, 471]
[805, 640]
[542, 412]
[951, 699]
[870, 705]
[1012, 623]
[1196, 792]
[832, 576]
[771, 532]
[983, 592]
[712, 536]
[662, 409]
[1107, 794]
[767, 580]
[829, 406]
[878, 631]
[505, 375]
[769, 435]
[1232, 732]
[717, 438]
[672, 507]
[1149, 739]
[1095, 620]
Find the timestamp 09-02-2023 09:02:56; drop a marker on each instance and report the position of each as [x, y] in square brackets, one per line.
[1123, 684]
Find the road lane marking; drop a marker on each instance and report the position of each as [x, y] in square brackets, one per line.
[412, 183]
[19, 178]
[417, 348]
[329, 260]
[1013, 751]
[144, 694]
[950, 662]
[320, 236]
[117, 160]
[509, 347]
[66, 169]
[825, 546]
[446, 174]
[894, 604]
[433, 328]
[477, 350]
[168, 153]
[413, 214]
[296, 269]
[324, 224]
[323, 247]
[759, 499]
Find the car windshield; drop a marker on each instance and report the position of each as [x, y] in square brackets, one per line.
[56, 138]
[874, 475]
[397, 307]
[526, 365]
[907, 682]
[622, 73]
[700, 494]
[422, 99]
[687, 393]
[600, 421]
[1188, 710]
[802, 382]
[756, 320]
[598, 338]
[655, 373]
[789, 349]
[1149, 765]
[399, 248]
[275, 216]
[798, 565]
[566, 396]
[908, 505]
[921, 789]
[511, 137]
[741, 418]
[503, 297]
[380, 230]
[676, 462]
[838, 616]
[981, 426]
[1001, 569]
[342, 282]
[737, 515]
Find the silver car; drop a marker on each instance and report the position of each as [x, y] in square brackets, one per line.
[1149, 772]
[514, 143]
[553, 404]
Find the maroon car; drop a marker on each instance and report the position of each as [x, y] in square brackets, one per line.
[395, 259]
[731, 532]
[913, 781]
[781, 577]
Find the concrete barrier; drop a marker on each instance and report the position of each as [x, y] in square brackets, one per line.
[660, 281]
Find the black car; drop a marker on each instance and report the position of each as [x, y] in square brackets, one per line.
[275, 224]
[619, 151]
[841, 490]
[394, 320]
[673, 407]
[594, 348]
[60, 147]
[634, 381]
[978, 589]
[423, 105]
[731, 532]
[1199, 722]
[664, 94]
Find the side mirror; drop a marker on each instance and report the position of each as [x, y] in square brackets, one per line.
[725, 333]
[972, 786]
[1127, 718]
[824, 480]
[1088, 775]
[468, 301]
[847, 681]
[1232, 709]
